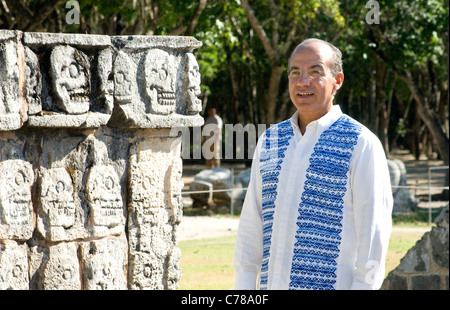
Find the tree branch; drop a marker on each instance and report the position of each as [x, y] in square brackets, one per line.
[44, 12]
[198, 12]
[259, 31]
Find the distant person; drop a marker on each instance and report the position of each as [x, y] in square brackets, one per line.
[317, 213]
[212, 139]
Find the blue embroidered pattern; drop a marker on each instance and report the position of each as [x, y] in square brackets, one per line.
[275, 144]
[320, 210]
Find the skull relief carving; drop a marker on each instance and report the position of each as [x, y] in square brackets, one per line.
[33, 80]
[57, 197]
[16, 179]
[160, 81]
[71, 79]
[123, 78]
[104, 196]
[194, 105]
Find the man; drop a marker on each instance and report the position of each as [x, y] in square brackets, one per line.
[317, 213]
[212, 139]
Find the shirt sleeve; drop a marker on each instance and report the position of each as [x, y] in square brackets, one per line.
[248, 249]
[372, 201]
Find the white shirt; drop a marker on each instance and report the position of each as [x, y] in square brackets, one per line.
[366, 213]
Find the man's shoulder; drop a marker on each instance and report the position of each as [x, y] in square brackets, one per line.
[366, 136]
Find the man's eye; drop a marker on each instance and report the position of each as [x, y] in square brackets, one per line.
[295, 74]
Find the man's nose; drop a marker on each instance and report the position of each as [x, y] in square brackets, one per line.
[303, 79]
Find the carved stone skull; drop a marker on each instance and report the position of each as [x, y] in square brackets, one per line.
[104, 196]
[71, 79]
[160, 78]
[57, 197]
[16, 179]
[194, 105]
[33, 81]
[123, 78]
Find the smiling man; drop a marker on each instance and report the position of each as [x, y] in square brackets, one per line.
[317, 213]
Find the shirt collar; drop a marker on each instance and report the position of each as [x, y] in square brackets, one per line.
[319, 125]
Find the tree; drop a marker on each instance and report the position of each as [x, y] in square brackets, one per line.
[280, 26]
[114, 17]
[412, 39]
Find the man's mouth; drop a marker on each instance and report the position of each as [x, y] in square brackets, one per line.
[304, 94]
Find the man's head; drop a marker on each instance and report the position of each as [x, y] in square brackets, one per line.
[212, 111]
[315, 74]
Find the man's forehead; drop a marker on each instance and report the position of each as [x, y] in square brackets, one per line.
[311, 55]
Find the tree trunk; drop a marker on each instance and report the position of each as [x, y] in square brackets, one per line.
[271, 96]
[428, 116]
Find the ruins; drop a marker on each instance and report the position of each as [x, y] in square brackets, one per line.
[90, 171]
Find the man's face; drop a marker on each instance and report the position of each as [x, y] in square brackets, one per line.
[311, 83]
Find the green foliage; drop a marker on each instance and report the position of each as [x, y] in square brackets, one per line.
[235, 65]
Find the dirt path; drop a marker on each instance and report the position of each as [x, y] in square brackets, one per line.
[200, 227]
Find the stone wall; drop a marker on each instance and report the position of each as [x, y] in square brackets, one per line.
[90, 170]
[425, 266]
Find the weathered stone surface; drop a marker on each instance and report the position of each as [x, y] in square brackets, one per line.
[12, 101]
[417, 259]
[425, 266]
[104, 262]
[90, 170]
[13, 266]
[426, 282]
[154, 213]
[16, 210]
[59, 210]
[156, 84]
[104, 198]
[55, 267]
[68, 79]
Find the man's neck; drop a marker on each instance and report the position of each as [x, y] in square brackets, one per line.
[304, 119]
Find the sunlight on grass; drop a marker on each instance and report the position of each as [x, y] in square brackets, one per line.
[207, 264]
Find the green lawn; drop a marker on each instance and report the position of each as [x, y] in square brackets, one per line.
[207, 264]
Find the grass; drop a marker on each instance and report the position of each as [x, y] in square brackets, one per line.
[207, 264]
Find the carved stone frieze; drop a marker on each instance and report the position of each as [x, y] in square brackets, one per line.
[90, 170]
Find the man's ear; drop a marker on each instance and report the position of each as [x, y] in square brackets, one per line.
[339, 81]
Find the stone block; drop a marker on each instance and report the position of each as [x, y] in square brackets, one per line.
[58, 210]
[439, 246]
[54, 267]
[156, 82]
[395, 282]
[104, 198]
[12, 100]
[426, 282]
[13, 266]
[154, 213]
[16, 209]
[69, 81]
[104, 264]
[417, 259]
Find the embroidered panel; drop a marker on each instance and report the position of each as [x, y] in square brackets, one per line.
[320, 210]
[275, 144]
